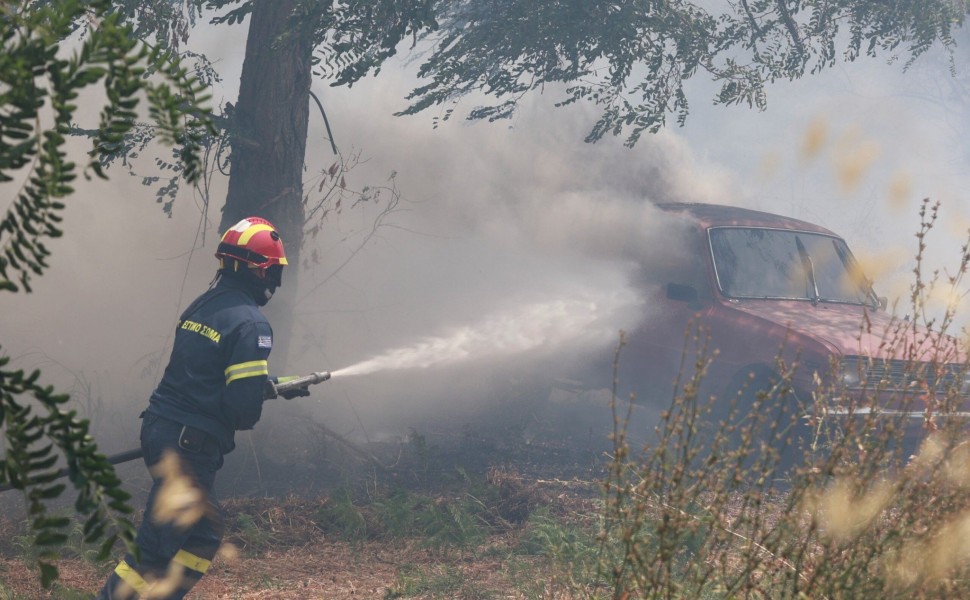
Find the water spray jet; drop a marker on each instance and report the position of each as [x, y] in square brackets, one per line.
[526, 328]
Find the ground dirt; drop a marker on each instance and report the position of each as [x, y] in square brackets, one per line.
[277, 545]
[320, 569]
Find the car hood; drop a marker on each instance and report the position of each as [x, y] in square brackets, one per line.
[850, 329]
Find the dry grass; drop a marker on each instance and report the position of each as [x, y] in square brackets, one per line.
[286, 554]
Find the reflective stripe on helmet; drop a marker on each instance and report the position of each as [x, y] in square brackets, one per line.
[251, 231]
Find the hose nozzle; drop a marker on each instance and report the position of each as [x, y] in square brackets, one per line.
[303, 382]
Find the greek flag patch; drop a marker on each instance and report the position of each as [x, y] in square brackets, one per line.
[264, 341]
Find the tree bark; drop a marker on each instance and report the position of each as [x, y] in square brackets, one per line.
[269, 136]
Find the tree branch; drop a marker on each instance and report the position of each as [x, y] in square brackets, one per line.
[755, 30]
[790, 25]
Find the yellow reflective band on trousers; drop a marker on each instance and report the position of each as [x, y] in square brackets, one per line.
[191, 561]
[131, 577]
[252, 368]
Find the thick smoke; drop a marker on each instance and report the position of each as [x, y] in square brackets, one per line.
[495, 220]
[504, 225]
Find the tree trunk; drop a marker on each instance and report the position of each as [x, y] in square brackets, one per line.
[269, 141]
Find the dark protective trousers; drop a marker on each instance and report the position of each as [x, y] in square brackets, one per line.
[173, 555]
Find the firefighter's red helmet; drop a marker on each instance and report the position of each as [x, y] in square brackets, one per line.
[255, 242]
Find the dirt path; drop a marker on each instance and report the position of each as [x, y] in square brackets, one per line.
[320, 570]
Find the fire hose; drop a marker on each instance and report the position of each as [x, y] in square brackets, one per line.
[277, 389]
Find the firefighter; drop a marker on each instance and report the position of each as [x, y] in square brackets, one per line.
[215, 383]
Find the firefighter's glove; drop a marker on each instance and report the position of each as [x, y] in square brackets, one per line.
[271, 392]
[295, 393]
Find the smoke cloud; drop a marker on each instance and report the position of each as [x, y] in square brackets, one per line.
[512, 253]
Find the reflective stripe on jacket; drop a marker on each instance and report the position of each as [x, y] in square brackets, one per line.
[215, 377]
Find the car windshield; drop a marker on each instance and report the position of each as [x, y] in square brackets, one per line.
[752, 262]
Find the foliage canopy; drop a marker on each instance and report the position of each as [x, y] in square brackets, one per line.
[632, 58]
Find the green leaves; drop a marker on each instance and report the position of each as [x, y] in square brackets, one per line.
[630, 58]
[355, 37]
[40, 84]
[37, 434]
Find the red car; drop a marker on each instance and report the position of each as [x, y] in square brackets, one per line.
[780, 298]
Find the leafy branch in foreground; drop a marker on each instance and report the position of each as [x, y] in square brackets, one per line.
[31, 442]
[39, 87]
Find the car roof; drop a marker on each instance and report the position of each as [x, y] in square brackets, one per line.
[719, 215]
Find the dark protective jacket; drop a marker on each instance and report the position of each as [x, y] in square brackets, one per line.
[219, 366]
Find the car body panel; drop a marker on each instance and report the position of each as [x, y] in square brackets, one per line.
[689, 311]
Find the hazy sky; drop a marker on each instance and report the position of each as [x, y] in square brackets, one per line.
[495, 220]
